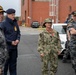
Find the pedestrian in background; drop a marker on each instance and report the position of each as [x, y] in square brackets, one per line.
[3, 48]
[49, 47]
[72, 42]
[12, 35]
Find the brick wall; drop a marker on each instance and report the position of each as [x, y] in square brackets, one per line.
[38, 11]
[64, 8]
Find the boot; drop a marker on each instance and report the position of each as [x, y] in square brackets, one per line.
[75, 72]
[64, 60]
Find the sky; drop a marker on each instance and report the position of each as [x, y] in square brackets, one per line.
[15, 4]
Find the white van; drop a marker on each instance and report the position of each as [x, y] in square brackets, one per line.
[61, 28]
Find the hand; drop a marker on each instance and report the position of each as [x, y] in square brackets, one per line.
[72, 31]
[13, 43]
[16, 42]
[41, 54]
[59, 52]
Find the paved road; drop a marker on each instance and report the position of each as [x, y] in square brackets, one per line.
[29, 60]
[30, 31]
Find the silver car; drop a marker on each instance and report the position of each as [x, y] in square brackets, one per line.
[61, 28]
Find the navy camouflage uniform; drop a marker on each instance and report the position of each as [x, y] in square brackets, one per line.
[72, 43]
[3, 51]
[67, 52]
[3, 47]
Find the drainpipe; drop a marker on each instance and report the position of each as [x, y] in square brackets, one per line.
[30, 11]
[57, 3]
[53, 10]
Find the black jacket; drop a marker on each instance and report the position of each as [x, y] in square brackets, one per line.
[11, 32]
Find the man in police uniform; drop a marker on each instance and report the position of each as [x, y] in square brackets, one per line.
[49, 47]
[12, 35]
[72, 42]
[3, 48]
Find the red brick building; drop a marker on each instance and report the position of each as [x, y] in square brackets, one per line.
[38, 10]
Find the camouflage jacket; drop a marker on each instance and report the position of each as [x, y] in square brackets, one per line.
[49, 42]
[3, 49]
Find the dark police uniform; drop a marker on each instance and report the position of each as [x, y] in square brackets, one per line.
[12, 33]
[67, 52]
[72, 43]
[3, 50]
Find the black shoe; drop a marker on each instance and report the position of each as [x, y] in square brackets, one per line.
[64, 61]
[75, 72]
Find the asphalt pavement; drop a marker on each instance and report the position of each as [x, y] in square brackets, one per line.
[28, 57]
[30, 30]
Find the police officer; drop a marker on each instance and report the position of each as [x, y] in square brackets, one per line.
[3, 48]
[49, 47]
[12, 35]
[72, 43]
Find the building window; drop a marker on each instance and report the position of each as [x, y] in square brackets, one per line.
[23, 2]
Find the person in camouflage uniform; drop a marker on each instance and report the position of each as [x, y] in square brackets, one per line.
[3, 48]
[49, 46]
[67, 51]
[72, 43]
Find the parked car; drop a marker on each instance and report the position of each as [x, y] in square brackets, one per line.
[61, 28]
[35, 24]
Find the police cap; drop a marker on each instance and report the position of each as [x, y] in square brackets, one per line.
[1, 9]
[10, 11]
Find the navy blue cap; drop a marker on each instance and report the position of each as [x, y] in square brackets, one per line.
[74, 13]
[10, 11]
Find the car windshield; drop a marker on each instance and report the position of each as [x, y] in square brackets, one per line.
[35, 22]
[61, 29]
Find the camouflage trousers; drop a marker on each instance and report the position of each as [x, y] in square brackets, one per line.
[73, 56]
[66, 53]
[49, 64]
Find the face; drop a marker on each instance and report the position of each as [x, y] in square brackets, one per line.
[1, 16]
[48, 25]
[11, 16]
[74, 17]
